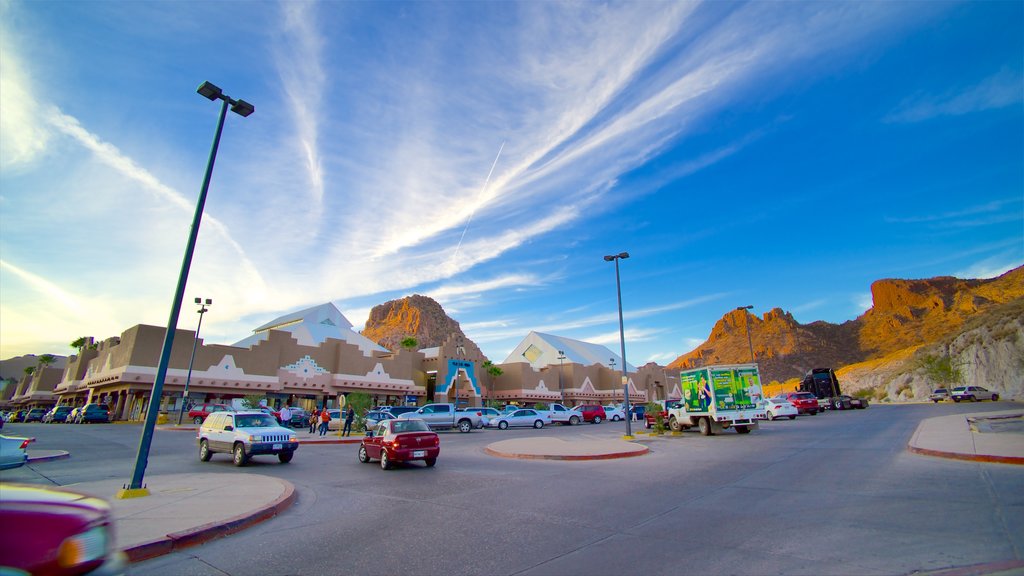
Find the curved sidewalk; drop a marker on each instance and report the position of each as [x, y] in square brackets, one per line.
[979, 437]
[188, 509]
[548, 448]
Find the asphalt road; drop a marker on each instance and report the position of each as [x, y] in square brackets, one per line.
[836, 493]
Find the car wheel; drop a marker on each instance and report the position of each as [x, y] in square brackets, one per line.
[935, 401]
[363, 456]
[239, 455]
[972, 398]
[597, 419]
[385, 464]
[792, 417]
[502, 425]
[705, 426]
[204, 451]
[538, 424]
[465, 426]
[574, 420]
[285, 457]
[956, 398]
[771, 416]
[647, 424]
[197, 420]
[430, 462]
[995, 397]
[674, 424]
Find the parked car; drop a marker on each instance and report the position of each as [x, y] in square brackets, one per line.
[13, 452]
[442, 415]
[939, 394]
[780, 407]
[34, 415]
[521, 417]
[614, 413]
[374, 417]
[855, 402]
[199, 412]
[399, 410]
[48, 531]
[805, 402]
[275, 413]
[337, 419]
[485, 414]
[651, 417]
[973, 393]
[93, 413]
[57, 414]
[590, 412]
[244, 435]
[400, 440]
[299, 419]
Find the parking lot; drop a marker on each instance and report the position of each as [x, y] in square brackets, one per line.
[829, 494]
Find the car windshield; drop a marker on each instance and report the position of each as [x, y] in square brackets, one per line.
[940, 391]
[254, 421]
[399, 426]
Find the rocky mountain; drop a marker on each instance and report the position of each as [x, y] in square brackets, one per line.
[417, 316]
[905, 315]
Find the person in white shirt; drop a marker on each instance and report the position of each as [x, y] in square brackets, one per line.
[286, 415]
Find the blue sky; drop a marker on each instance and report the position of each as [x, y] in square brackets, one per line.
[486, 154]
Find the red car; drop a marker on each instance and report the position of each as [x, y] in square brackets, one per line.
[400, 440]
[649, 417]
[805, 402]
[46, 531]
[591, 413]
[199, 412]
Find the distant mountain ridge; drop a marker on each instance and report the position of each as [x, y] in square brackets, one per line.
[904, 314]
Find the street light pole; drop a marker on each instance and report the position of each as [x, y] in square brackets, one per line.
[561, 388]
[242, 108]
[188, 378]
[746, 321]
[622, 336]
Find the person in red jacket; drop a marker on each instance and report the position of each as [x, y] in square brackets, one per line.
[325, 419]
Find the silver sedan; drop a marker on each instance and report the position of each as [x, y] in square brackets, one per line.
[13, 451]
[523, 417]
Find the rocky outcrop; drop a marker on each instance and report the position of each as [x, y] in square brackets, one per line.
[905, 315]
[414, 316]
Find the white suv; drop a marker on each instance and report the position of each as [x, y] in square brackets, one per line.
[973, 393]
[245, 434]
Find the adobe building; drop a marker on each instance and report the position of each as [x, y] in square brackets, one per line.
[313, 357]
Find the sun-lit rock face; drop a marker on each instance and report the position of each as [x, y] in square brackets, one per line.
[414, 316]
[905, 314]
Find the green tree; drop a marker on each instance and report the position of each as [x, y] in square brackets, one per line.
[80, 343]
[361, 402]
[410, 343]
[492, 369]
[659, 419]
[540, 406]
[939, 369]
[46, 360]
[252, 401]
[29, 370]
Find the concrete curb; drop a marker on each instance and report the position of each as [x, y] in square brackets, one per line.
[58, 455]
[966, 457]
[201, 534]
[608, 456]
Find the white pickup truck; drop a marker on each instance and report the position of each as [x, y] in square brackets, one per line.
[443, 416]
[561, 415]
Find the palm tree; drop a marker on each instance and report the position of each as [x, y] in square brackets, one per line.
[46, 359]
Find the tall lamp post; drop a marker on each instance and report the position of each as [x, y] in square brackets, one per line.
[188, 378]
[561, 388]
[622, 335]
[747, 322]
[242, 108]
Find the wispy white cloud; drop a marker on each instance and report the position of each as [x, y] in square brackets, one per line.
[863, 301]
[24, 137]
[1006, 209]
[991, 267]
[1005, 88]
[808, 306]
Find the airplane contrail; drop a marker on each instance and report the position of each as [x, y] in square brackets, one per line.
[484, 187]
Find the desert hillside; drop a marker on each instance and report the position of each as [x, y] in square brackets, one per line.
[415, 316]
[908, 319]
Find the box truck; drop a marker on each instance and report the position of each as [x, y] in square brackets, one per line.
[716, 398]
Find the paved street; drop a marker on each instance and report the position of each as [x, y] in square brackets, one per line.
[830, 494]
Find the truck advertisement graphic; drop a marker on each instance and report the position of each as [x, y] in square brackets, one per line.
[719, 397]
[726, 388]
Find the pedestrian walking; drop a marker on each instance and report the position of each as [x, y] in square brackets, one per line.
[350, 415]
[325, 420]
[314, 419]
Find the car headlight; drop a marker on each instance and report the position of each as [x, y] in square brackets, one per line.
[84, 547]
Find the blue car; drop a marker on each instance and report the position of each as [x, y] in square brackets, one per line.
[93, 413]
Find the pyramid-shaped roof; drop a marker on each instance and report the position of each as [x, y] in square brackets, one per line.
[540, 350]
[311, 327]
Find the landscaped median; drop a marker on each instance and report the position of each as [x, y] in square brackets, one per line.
[548, 448]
